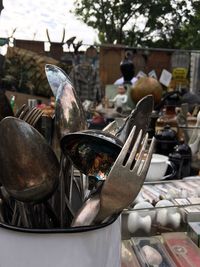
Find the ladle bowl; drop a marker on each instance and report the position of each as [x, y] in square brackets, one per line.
[29, 167]
[92, 151]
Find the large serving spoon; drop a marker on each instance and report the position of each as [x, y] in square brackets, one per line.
[55, 77]
[29, 166]
[69, 117]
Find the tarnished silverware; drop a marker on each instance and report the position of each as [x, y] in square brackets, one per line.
[55, 76]
[34, 117]
[69, 113]
[30, 168]
[88, 212]
[31, 116]
[22, 112]
[139, 117]
[122, 185]
[126, 176]
[69, 117]
[114, 126]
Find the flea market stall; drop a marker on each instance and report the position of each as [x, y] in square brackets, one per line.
[102, 182]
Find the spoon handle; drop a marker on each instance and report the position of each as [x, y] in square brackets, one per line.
[51, 214]
[23, 214]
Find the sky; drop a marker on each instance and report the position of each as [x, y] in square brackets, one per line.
[31, 18]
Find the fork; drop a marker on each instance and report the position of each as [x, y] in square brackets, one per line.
[30, 116]
[122, 185]
[126, 177]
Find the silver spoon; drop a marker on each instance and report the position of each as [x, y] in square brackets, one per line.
[69, 117]
[30, 168]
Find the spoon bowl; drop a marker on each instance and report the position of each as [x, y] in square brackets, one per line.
[69, 113]
[93, 151]
[29, 166]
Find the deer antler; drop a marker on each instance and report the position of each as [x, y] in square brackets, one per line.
[63, 37]
[48, 37]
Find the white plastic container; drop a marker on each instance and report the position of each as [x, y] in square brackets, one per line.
[85, 247]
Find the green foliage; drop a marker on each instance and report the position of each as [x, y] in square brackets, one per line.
[158, 23]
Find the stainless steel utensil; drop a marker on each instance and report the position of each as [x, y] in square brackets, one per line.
[126, 176]
[30, 168]
[114, 126]
[69, 113]
[31, 116]
[92, 151]
[69, 117]
[88, 212]
[122, 184]
[55, 77]
[139, 117]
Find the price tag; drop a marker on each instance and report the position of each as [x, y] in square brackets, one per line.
[165, 78]
[153, 74]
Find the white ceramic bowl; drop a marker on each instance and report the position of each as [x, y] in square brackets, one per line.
[157, 168]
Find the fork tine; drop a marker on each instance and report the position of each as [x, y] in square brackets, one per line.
[36, 118]
[28, 115]
[122, 155]
[23, 113]
[32, 116]
[134, 150]
[20, 110]
[149, 156]
[141, 154]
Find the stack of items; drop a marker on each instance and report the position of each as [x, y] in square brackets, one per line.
[168, 250]
[164, 206]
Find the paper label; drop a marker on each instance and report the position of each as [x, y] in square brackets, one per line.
[165, 77]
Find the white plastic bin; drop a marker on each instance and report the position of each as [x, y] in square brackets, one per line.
[84, 247]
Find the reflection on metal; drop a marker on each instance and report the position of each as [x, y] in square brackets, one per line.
[69, 113]
[29, 167]
[93, 151]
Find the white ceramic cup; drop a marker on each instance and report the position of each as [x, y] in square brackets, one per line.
[158, 168]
